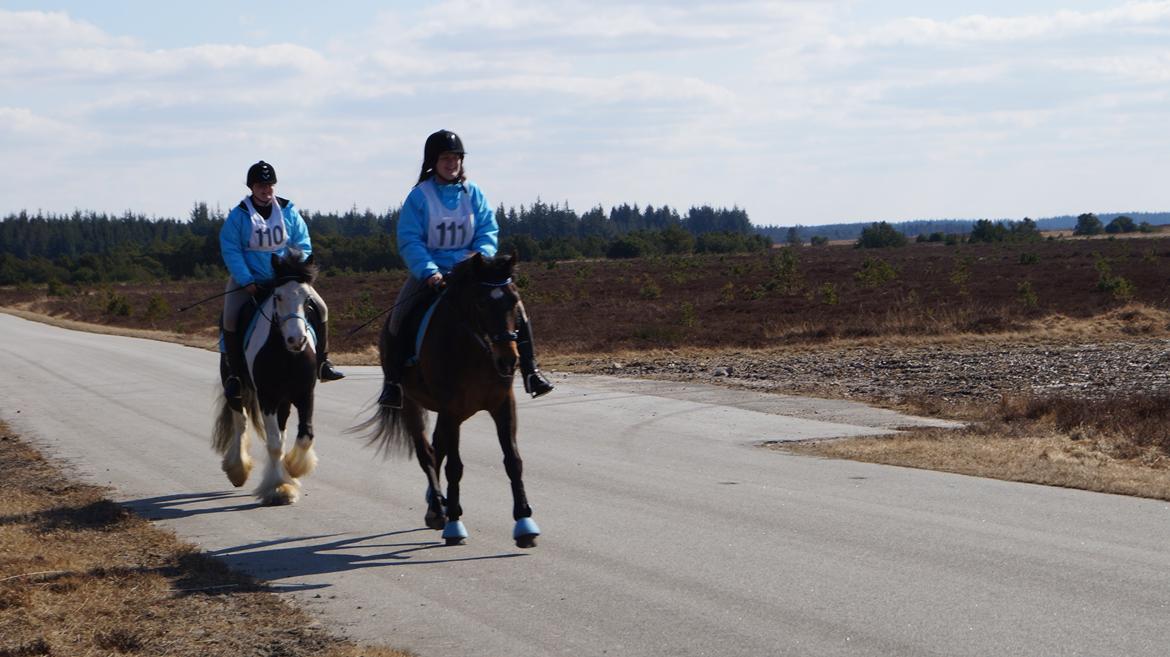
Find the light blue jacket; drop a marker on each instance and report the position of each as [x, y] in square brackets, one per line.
[413, 225]
[256, 266]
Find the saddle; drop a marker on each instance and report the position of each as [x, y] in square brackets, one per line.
[247, 317]
[414, 328]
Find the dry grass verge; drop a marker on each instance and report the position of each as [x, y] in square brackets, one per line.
[80, 575]
[1119, 445]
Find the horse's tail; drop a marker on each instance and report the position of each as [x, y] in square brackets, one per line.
[387, 431]
[222, 433]
[224, 430]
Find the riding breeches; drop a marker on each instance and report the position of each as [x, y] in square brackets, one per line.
[408, 297]
[236, 298]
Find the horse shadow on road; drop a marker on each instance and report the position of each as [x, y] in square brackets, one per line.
[293, 557]
[187, 505]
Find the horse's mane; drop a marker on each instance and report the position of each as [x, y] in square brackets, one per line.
[291, 266]
[478, 269]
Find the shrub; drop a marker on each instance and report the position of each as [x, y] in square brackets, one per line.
[880, 235]
[785, 268]
[157, 307]
[1119, 287]
[57, 289]
[117, 304]
[727, 292]
[829, 294]
[650, 289]
[1088, 224]
[874, 272]
[1026, 294]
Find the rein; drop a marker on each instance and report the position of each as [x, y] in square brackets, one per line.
[272, 283]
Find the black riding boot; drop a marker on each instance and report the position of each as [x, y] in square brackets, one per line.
[325, 370]
[236, 367]
[391, 396]
[535, 382]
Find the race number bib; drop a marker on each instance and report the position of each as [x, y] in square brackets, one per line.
[448, 229]
[267, 234]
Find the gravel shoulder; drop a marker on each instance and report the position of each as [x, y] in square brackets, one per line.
[931, 376]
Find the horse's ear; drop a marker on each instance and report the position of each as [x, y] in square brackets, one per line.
[275, 261]
[309, 260]
[514, 254]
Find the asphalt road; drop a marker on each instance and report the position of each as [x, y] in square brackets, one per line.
[666, 530]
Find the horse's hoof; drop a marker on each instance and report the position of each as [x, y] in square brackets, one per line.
[454, 532]
[436, 521]
[237, 471]
[238, 477]
[525, 533]
[283, 495]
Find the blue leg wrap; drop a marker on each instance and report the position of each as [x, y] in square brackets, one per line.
[525, 527]
[454, 529]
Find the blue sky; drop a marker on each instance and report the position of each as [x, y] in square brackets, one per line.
[806, 112]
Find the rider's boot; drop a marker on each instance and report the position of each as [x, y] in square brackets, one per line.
[391, 396]
[232, 385]
[535, 382]
[326, 372]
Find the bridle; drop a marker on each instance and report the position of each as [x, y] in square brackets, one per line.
[277, 319]
[503, 337]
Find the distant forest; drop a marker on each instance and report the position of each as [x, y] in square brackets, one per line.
[852, 231]
[89, 247]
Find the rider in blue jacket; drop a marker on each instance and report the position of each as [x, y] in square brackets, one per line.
[445, 220]
[263, 225]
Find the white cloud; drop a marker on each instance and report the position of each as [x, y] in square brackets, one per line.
[980, 28]
[662, 102]
[35, 30]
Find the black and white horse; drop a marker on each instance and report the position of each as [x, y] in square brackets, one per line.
[282, 372]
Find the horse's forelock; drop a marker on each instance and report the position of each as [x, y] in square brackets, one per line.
[497, 270]
[292, 267]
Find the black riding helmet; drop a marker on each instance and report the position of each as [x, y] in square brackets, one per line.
[440, 142]
[261, 172]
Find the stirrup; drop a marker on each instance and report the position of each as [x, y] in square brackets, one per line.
[391, 396]
[537, 385]
[232, 388]
[327, 372]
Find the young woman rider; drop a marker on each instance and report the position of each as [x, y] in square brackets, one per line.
[444, 220]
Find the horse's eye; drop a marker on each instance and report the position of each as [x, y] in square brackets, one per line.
[279, 298]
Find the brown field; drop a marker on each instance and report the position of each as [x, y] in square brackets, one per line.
[806, 296]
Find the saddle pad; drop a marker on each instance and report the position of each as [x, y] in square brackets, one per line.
[422, 331]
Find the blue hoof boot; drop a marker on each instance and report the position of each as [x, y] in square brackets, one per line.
[454, 533]
[525, 533]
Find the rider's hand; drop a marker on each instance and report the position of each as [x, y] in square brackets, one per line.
[251, 289]
[436, 281]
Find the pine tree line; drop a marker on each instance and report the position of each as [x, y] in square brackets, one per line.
[88, 247]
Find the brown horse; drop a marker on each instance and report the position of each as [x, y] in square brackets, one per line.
[464, 364]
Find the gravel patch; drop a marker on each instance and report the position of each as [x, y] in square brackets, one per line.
[948, 373]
